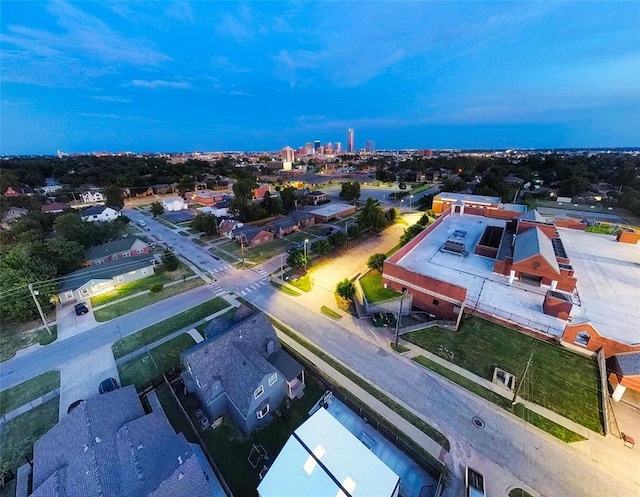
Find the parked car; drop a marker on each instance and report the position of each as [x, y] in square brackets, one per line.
[74, 405]
[142, 222]
[81, 308]
[378, 320]
[108, 385]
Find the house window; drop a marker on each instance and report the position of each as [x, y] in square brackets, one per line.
[126, 254]
[68, 295]
[120, 279]
[262, 412]
[257, 242]
[85, 291]
[582, 339]
[273, 379]
[99, 261]
[435, 302]
[145, 270]
[259, 391]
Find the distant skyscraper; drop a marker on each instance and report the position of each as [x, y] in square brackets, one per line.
[316, 146]
[370, 146]
[351, 136]
[338, 147]
[287, 154]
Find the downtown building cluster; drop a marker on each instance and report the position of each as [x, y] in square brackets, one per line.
[316, 147]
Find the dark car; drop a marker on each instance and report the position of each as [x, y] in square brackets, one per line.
[74, 405]
[81, 308]
[108, 385]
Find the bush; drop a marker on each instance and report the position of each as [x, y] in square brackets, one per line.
[156, 288]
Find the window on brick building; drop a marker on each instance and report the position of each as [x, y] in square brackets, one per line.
[435, 302]
[582, 339]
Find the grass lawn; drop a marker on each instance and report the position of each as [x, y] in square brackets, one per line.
[142, 369]
[559, 380]
[519, 410]
[156, 331]
[285, 289]
[330, 312]
[18, 435]
[12, 398]
[400, 349]
[141, 285]
[133, 304]
[230, 447]
[13, 339]
[223, 254]
[263, 252]
[303, 283]
[372, 287]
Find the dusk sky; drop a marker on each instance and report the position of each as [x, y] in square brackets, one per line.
[203, 76]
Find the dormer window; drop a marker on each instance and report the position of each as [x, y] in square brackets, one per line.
[259, 391]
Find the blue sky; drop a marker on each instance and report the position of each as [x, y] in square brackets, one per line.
[180, 76]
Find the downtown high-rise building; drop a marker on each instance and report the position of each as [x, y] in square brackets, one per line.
[338, 147]
[370, 146]
[351, 137]
[287, 154]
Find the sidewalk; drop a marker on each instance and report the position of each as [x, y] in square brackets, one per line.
[395, 419]
[29, 405]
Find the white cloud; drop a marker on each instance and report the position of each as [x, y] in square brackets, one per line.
[161, 83]
[111, 99]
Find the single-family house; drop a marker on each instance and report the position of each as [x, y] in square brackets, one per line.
[119, 249]
[304, 219]
[322, 458]
[251, 236]
[316, 197]
[227, 226]
[283, 227]
[15, 191]
[94, 280]
[218, 210]
[92, 196]
[100, 214]
[55, 207]
[205, 197]
[258, 193]
[171, 204]
[242, 371]
[12, 214]
[108, 447]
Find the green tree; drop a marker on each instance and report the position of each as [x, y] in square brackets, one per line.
[376, 261]
[156, 209]
[297, 259]
[391, 215]
[410, 233]
[338, 239]
[169, 261]
[321, 247]
[350, 191]
[372, 216]
[243, 190]
[272, 205]
[346, 289]
[288, 197]
[186, 183]
[206, 223]
[66, 255]
[114, 196]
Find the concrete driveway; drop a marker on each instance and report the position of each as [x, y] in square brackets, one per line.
[70, 325]
[81, 377]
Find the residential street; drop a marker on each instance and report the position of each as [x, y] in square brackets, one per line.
[505, 448]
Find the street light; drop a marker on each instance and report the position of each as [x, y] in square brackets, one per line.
[410, 200]
[404, 292]
[306, 240]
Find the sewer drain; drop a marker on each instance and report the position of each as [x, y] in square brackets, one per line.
[478, 422]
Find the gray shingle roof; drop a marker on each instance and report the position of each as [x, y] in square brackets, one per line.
[106, 271]
[114, 247]
[287, 365]
[533, 242]
[283, 224]
[96, 209]
[534, 216]
[629, 363]
[107, 447]
[237, 359]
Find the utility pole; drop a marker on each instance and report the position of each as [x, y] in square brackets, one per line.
[33, 294]
[526, 369]
[242, 249]
[399, 315]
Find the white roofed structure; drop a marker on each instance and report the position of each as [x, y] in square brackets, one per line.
[323, 459]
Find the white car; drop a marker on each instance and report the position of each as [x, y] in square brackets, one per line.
[142, 222]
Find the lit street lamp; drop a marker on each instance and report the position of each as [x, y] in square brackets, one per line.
[306, 240]
[410, 200]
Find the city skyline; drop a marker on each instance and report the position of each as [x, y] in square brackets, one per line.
[261, 76]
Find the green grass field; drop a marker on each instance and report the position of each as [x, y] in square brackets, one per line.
[303, 283]
[156, 331]
[559, 380]
[14, 397]
[13, 338]
[372, 287]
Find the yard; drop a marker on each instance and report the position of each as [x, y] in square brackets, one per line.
[230, 447]
[156, 331]
[264, 252]
[12, 398]
[142, 369]
[126, 306]
[18, 435]
[557, 379]
[160, 277]
[18, 337]
[372, 287]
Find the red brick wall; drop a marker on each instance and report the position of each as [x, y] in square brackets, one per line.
[565, 282]
[596, 341]
[548, 229]
[632, 382]
[556, 307]
[570, 223]
[486, 251]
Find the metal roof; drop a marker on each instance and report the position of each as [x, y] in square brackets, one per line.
[341, 460]
[533, 216]
[629, 363]
[534, 242]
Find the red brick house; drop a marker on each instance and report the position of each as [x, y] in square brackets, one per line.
[251, 236]
[120, 249]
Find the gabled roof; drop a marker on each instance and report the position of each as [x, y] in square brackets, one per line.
[300, 215]
[343, 461]
[115, 247]
[533, 216]
[287, 365]
[96, 210]
[106, 271]
[237, 359]
[534, 242]
[108, 447]
[629, 363]
[248, 232]
[55, 206]
[283, 224]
